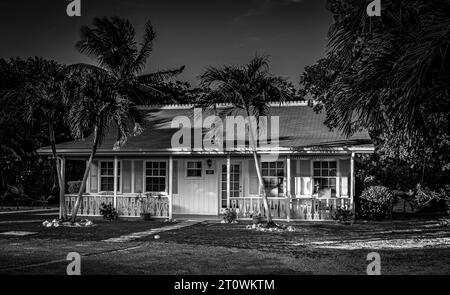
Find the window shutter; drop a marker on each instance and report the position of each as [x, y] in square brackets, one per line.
[138, 181]
[298, 186]
[253, 178]
[305, 168]
[344, 176]
[305, 177]
[293, 175]
[126, 174]
[94, 177]
[344, 186]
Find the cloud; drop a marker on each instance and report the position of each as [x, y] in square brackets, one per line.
[261, 8]
[249, 41]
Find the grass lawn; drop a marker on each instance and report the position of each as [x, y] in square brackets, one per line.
[406, 247]
[23, 208]
[101, 230]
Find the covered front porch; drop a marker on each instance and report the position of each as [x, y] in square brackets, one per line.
[222, 182]
[158, 206]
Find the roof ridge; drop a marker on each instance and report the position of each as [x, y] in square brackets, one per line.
[219, 105]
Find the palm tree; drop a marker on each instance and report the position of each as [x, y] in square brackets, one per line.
[390, 72]
[249, 88]
[96, 108]
[390, 75]
[111, 42]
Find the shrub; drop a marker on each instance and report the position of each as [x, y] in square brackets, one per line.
[343, 215]
[73, 187]
[369, 180]
[376, 203]
[108, 212]
[229, 215]
[425, 195]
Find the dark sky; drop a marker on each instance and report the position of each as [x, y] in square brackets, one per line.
[195, 33]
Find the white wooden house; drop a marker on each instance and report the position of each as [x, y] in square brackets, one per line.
[313, 175]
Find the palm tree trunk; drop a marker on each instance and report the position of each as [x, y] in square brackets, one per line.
[262, 189]
[85, 176]
[61, 184]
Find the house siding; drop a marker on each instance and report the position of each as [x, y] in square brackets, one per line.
[175, 177]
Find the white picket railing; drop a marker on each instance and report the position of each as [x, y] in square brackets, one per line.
[128, 205]
[294, 209]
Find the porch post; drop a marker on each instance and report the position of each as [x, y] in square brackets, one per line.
[170, 186]
[352, 179]
[62, 202]
[228, 179]
[288, 186]
[115, 181]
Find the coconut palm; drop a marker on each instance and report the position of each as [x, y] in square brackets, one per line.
[98, 107]
[249, 88]
[389, 75]
[112, 88]
[111, 42]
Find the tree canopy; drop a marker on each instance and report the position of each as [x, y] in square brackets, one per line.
[390, 75]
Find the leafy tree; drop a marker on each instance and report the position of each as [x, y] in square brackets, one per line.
[181, 92]
[23, 85]
[249, 88]
[42, 89]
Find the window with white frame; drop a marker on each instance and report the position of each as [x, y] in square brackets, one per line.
[273, 175]
[107, 176]
[325, 177]
[194, 169]
[155, 176]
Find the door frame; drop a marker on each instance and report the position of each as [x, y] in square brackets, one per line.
[221, 163]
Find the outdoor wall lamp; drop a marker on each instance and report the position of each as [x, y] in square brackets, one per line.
[209, 163]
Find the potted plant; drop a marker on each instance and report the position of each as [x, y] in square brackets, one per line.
[344, 215]
[145, 215]
[229, 215]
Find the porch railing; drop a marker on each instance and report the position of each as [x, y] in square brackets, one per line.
[295, 208]
[128, 205]
[245, 206]
[316, 208]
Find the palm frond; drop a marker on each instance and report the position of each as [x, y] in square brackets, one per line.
[146, 48]
[111, 42]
